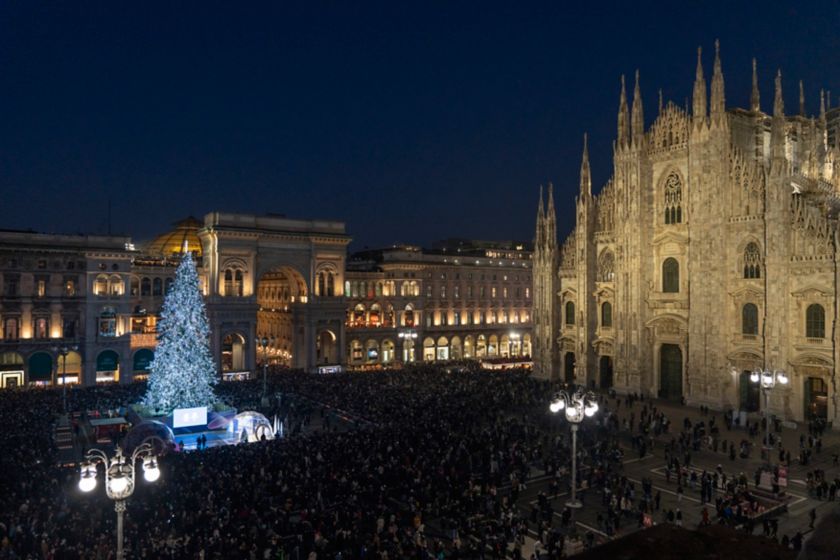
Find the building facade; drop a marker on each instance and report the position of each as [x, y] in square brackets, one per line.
[458, 300]
[84, 308]
[711, 251]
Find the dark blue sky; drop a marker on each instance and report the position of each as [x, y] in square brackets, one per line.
[409, 121]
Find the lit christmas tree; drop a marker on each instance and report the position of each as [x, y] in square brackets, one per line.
[182, 373]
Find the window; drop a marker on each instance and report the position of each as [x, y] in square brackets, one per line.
[42, 264]
[145, 287]
[749, 319]
[606, 315]
[752, 261]
[443, 292]
[481, 292]
[157, 287]
[527, 293]
[493, 292]
[68, 328]
[10, 285]
[100, 286]
[815, 321]
[11, 329]
[606, 267]
[504, 292]
[673, 199]
[69, 288]
[331, 284]
[42, 327]
[108, 322]
[570, 313]
[115, 285]
[456, 292]
[42, 288]
[671, 276]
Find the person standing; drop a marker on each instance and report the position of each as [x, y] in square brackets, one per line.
[812, 515]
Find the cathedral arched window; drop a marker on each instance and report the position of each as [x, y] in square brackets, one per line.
[606, 314]
[752, 261]
[606, 267]
[671, 276]
[749, 319]
[673, 199]
[570, 313]
[815, 321]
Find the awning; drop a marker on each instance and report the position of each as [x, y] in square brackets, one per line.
[142, 360]
[40, 367]
[108, 360]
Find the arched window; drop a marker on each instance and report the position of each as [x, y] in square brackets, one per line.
[606, 267]
[671, 276]
[606, 314]
[100, 287]
[145, 287]
[322, 284]
[752, 261]
[330, 284]
[815, 321]
[570, 313]
[237, 282]
[157, 287]
[228, 282]
[749, 319]
[673, 199]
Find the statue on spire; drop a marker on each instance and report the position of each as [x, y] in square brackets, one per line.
[755, 97]
[585, 172]
[623, 121]
[699, 94]
[637, 117]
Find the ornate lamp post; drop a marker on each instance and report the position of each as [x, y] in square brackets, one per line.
[119, 479]
[264, 343]
[63, 351]
[767, 380]
[577, 406]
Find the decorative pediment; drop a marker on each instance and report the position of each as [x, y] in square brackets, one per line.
[812, 359]
[742, 355]
[604, 293]
[812, 292]
[568, 294]
[604, 346]
[671, 236]
[747, 293]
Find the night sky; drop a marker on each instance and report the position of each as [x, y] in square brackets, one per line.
[409, 121]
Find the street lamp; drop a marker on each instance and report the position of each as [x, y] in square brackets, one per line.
[767, 380]
[577, 406]
[119, 479]
[265, 342]
[63, 351]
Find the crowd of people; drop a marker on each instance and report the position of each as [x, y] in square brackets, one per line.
[426, 462]
[427, 469]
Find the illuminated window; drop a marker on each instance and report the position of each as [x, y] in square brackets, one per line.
[11, 331]
[42, 288]
[108, 322]
[493, 292]
[527, 293]
[42, 327]
[100, 286]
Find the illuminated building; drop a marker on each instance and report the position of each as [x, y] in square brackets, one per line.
[711, 252]
[458, 300]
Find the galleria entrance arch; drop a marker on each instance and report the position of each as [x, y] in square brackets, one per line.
[269, 276]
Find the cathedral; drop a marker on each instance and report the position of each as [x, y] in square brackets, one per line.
[711, 252]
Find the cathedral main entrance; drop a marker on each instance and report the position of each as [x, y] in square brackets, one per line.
[606, 367]
[670, 372]
[569, 367]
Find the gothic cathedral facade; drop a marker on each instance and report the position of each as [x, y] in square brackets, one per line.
[710, 253]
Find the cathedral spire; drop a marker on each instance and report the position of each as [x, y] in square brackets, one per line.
[801, 99]
[718, 102]
[550, 220]
[699, 97]
[585, 173]
[623, 121]
[637, 117]
[822, 105]
[778, 101]
[755, 97]
[777, 130]
[660, 101]
[540, 222]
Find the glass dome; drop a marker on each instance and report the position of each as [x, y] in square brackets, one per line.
[172, 242]
[158, 434]
[252, 426]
